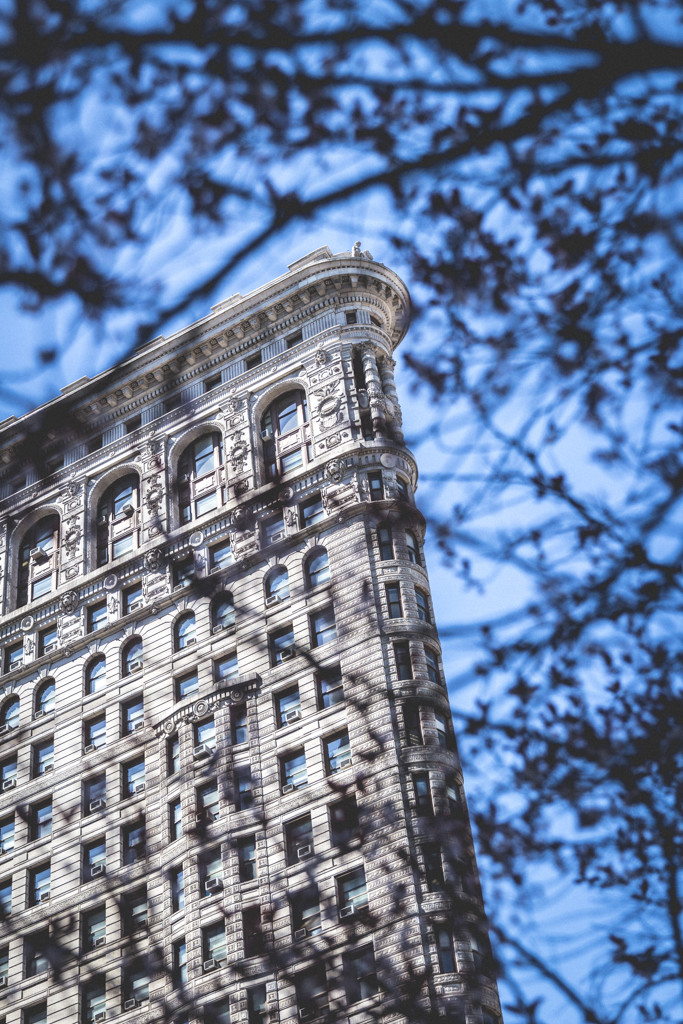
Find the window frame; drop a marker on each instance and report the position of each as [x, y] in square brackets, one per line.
[193, 477]
[118, 520]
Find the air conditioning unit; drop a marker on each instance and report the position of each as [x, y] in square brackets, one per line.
[99, 1016]
[347, 911]
[212, 815]
[287, 653]
[304, 851]
[181, 586]
[98, 869]
[99, 941]
[135, 665]
[293, 715]
[48, 768]
[9, 784]
[190, 641]
[209, 965]
[344, 763]
[43, 897]
[300, 933]
[38, 555]
[39, 713]
[127, 511]
[137, 603]
[97, 805]
[275, 537]
[201, 751]
[138, 725]
[289, 788]
[3, 981]
[89, 748]
[266, 434]
[213, 884]
[217, 629]
[49, 648]
[270, 601]
[16, 663]
[138, 788]
[130, 1004]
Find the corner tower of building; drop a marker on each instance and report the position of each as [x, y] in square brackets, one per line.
[229, 785]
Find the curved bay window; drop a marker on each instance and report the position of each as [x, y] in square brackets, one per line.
[199, 481]
[118, 514]
[38, 560]
[286, 434]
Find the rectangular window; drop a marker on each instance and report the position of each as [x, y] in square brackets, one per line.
[293, 773]
[208, 808]
[360, 975]
[186, 686]
[294, 339]
[39, 884]
[213, 945]
[40, 820]
[172, 755]
[305, 908]
[183, 572]
[246, 858]
[244, 795]
[252, 930]
[312, 998]
[204, 737]
[444, 946]
[404, 666]
[352, 892]
[287, 706]
[175, 819]
[423, 795]
[311, 511]
[256, 1005]
[4, 964]
[432, 666]
[376, 486]
[351, 316]
[94, 734]
[36, 953]
[226, 668]
[238, 724]
[282, 645]
[412, 725]
[133, 778]
[179, 963]
[93, 928]
[385, 543]
[134, 423]
[299, 839]
[35, 1014]
[94, 859]
[330, 687]
[252, 361]
[132, 715]
[135, 986]
[177, 883]
[402, 492]
[323, 627]
[97, 617]
[133, 842]
[443, 732]
[94, 1000]
[95, 443]
[343, 821]
[6, 897]
[453, 800]
[95, 794]
[433, 867]
[422, 602]
[210, 872]
[7, 835]
[134, 910]
[8, 774]
[43, 757]
[132, 599]
[337, 752]
[394, 607]
[212, 382]
[273, 530]
[47, 641]
[220, 555]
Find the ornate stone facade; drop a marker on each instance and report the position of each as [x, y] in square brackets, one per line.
[229, 786]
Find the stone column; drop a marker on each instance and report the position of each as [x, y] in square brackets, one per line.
[393, 409]
[373, 387]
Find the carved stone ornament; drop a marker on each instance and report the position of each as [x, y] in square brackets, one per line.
[356, 250]
[151, 452]
[27, 622]
[320, 356]
[72, 537]
[69, 602]
[290, 517]
[196, 539]
[29, 645]
[154, 495]
[238, 453]
[154, 560]
[335, 470]
[113, 605]
[232, 402]
[110, 581]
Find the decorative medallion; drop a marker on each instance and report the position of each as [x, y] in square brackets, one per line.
[196, 539]
[111, 581]
[27, 622]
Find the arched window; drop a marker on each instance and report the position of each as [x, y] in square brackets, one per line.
[95, 674]
[286, 434]
[118, 519]
[317, 568]
[9, 715]
[200, 487]
[131, 658]
[38, 560]
[185, 631]
[413, 548]
[277, 585]
[222, 612]
[45, 698]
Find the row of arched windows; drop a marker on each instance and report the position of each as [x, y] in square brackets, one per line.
[201, 489]
[43, 704]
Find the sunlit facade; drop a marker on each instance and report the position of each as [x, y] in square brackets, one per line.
[229, 786]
